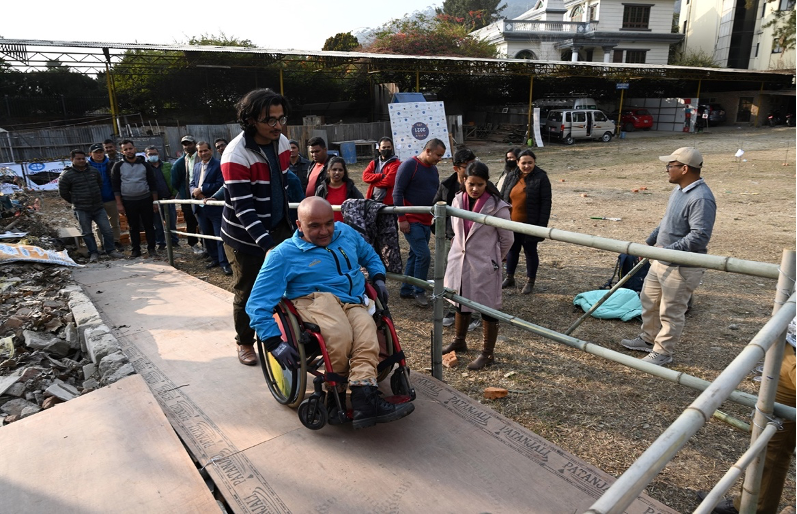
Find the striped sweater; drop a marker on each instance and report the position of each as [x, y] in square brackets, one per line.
[246, 219]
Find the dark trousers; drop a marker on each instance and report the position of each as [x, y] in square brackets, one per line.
[245, 268]
[139, 214]
[529, 246]
[210, 223]
[191, 222]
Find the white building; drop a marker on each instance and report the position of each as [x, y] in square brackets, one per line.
[733, 32]
[588, 30]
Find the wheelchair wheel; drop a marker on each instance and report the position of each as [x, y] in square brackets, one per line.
[313, 413]
[400, 383]
[385, 342]
[286, 385]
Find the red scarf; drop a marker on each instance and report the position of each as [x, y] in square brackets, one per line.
[476, 208]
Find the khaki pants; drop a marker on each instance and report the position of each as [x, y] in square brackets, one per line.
[665, 295]
[349, 332]
[113, 217]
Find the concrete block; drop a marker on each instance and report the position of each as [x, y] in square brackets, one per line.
[112, 362]
[46, 342]
[101, 346]
[82, 309]
[124, 371]
[71, 336]
[59, 392]
[83, 332]
[89, 370]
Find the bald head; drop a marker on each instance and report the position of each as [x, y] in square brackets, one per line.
[316, 220]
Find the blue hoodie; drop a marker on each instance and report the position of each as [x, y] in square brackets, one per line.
[104, 168]
[296, 268]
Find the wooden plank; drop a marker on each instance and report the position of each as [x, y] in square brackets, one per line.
[109, 451]
[452, 454]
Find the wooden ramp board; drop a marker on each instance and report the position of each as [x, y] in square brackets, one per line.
[452, 454]
[112, 450]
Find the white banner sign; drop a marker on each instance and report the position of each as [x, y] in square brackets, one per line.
[37, 167]
[415, 123]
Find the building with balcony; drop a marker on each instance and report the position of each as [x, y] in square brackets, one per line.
[588, 30]
[735, 32]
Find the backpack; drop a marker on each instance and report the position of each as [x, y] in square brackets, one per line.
[625, 263]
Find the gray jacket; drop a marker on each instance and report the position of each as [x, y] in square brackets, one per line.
[133, 181]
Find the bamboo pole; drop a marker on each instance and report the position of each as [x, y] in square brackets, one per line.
[597, 304]
[167, 231]
[734, 422]
[726, 482]
[631, 483]
[769, 383]
[437, 294]
[530, 134]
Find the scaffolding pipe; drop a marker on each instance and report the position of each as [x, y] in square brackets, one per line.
[769, 384]
[631, 483]
[437, 293]
[677, 377]
[605, 297]
[726, 482]
[730, 264]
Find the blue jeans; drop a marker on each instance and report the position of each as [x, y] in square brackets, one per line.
[210, 223]
[160, 236]
[100, 217]
[419, 257]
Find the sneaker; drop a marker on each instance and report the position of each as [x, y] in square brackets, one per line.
[449, 319]
[659, 359]
[113, 254]
[135, 254]
[198, 250]
[476, 323]
[637, 344]
[95, 257]
[118, 246]
[421, 301]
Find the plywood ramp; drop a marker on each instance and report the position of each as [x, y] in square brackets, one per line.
[451, 455]
[109, 451]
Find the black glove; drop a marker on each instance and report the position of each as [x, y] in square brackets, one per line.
[381, 291]
[283, 352]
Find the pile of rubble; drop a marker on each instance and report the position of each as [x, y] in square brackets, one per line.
[53, 344]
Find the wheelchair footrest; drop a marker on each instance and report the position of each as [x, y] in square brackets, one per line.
[397, 399]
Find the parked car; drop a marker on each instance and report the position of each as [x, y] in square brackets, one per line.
[716, 114]
[634, 118]
[567, 125]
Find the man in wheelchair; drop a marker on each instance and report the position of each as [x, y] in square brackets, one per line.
[318, 269]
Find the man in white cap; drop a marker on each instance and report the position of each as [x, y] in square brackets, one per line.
[686, 226]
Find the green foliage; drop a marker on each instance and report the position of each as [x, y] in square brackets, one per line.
[784, 32]
[341, 42]
[422, 35]
[473, 14]
[699, 59]
[221, 40]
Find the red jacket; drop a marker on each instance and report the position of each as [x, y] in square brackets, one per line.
[386, 179]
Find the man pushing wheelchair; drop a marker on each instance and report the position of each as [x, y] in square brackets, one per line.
[318, 269]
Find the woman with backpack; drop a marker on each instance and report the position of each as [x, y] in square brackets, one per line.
[338, 187]
[528, 190]
[474, 261]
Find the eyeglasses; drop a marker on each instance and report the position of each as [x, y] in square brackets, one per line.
[667, 167]
[272, 122]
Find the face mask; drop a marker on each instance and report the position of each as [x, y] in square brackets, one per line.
[153, 158]
[386, 154]
[511, 164]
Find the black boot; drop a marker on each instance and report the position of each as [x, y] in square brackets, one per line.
[461, 322]
[369, 408]
[334, 416]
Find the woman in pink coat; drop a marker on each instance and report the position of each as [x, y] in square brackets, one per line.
[474, 261]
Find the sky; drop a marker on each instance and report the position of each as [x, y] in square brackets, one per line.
[294, 24]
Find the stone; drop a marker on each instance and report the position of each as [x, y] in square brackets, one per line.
[17, 390]
[112, 362]
[10, 380]
[90, 385]
[450, 360]
[49, 402]
[89, 370]
[66, 291]
[68, 387]
[733, 327]
[82, 309]
[101, 345]
[30, 374]
[493, 393]
[14, 407]
[119, 374]
[12, 418]
[45, 342]
[71, 336]
[14, 322]
[60, 393]
[29, 411]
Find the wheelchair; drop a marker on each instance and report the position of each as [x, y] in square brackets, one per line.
[289, 386]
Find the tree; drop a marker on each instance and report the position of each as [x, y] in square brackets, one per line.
[784, 32]
[341, 42]
[473, 14]
[421, 35]
[697, 58]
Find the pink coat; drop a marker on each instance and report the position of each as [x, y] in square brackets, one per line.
[474, 263]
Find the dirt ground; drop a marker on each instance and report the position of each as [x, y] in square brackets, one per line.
[598, 410]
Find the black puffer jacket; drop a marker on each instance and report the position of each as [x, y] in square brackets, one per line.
[81, 188]
[538, 196]
[445, 193]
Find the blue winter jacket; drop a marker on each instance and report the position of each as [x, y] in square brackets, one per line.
[104, 168]
[297, 268]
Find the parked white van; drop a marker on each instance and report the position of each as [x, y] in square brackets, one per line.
[568, 125]
[570, 102]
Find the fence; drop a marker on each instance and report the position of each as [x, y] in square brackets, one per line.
[768, 343]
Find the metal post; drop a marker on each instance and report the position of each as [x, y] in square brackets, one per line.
[166, 230]
[619, 113]
[282, 84]
[417, 81]
[111, 99]
[617, 286]
[530, 134]
[437, 293]
[769, 383]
